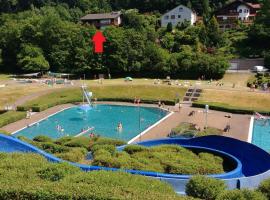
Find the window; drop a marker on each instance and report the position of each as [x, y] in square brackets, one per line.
[166, 17]
[179, 16]
[240, 10]
[181, 9]
[172, 16]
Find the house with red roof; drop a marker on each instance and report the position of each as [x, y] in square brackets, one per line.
[237, 11]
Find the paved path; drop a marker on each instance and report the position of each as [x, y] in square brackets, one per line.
[239, 123]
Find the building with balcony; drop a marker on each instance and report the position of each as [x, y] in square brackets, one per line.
[102, 20]
[237, 11]
[178, 15]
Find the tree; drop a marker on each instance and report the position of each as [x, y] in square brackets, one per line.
[169, 27]
[206, 11]
[267, 59]
[31, 59]
[215, 36]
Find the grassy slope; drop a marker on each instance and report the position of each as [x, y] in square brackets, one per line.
[238, 99]
[111, 92]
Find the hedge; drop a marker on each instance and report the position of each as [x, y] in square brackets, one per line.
[10, 117]
[30, 176]
[204, 187]
[227, 108]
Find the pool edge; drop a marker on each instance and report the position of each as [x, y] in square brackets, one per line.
[251, 128]
[149, 128]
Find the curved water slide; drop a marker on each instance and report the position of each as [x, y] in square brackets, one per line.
[252, 164]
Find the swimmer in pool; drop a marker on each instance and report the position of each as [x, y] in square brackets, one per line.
[119, 127]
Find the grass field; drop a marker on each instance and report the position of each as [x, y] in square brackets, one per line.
[245, 100]
[109, 92]
[10, 94]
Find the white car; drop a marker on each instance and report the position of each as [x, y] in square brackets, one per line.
[259, 69]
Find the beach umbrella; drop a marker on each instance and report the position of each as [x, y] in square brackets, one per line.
[128, 79]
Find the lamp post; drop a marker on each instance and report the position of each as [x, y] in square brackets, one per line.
[140, 121]
[206, 115]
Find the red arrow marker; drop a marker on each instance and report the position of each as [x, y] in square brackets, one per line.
[98, 40]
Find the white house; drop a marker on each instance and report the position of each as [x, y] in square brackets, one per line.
[177, 15]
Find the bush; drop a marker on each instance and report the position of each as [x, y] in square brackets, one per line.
[227, 108]
[77, 142]
[204, 187]
[63, 140]
[264, 188]
[53, 148]
[231, 195]
[30, 176]
[42, 138]
[209, 131]
[57, 172]
[75, 154]
[105, 141]
[110, 148]
[253, 195]
[4, 132]
[131, 149]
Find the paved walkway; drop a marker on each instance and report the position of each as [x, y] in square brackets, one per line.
[239, 123]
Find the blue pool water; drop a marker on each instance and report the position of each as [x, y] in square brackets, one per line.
[261, 134]
[104, 119]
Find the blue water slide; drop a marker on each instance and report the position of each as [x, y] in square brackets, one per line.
[251, 164]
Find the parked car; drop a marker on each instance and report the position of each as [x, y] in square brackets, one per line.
[259, 69]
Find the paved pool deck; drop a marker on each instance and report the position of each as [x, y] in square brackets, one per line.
[239, 123]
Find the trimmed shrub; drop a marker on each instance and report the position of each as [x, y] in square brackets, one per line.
[4, 132]
[57, 172]
[204, 187]
[75, 154]
[264, 188]
[63, 140]
[53, 148]
[131, 149]
[10, 117]
[253, 195]
[110, 148]
[77, 142]
[231, 195]
[30, 176]
[105, 141]
[227, 108]
[42, 138]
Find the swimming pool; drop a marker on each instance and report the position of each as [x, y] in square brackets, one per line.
[103, 118]
[261, 134]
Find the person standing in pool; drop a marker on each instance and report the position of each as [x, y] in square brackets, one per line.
[120, 127]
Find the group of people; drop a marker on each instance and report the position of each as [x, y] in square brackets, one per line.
[59, 128]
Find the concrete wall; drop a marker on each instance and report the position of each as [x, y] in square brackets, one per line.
[245, 63]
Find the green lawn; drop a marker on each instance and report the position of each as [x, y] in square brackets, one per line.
[147, 93]
[10, 117]
[237, 99]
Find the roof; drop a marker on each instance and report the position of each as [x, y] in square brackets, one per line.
[178, 7]
[255, 6]
[111, 15]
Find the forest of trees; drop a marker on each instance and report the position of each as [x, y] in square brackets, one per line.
[42, 35]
